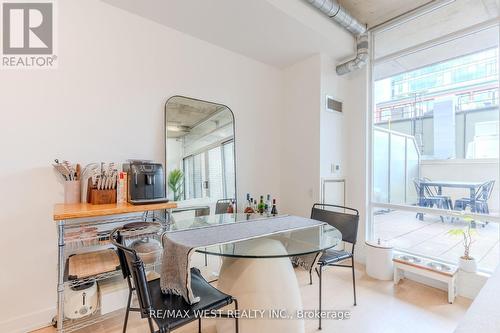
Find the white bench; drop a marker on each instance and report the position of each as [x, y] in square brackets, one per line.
[422, 269]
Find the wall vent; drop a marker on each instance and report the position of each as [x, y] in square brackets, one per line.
[333, 105]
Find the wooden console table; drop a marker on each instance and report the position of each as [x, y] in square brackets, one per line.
[104, 218]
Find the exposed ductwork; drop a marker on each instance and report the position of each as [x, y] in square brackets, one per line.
[361, 56]
[339, 14]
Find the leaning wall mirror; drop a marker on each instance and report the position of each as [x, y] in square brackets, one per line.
[200, 155]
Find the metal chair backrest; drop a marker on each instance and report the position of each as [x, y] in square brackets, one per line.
[118, 238]
[416, 183]
[485, 190]
[427, 192]
[133, 267]
[222, 205]
[346, 223]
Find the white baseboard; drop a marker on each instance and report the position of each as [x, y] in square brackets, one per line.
[28, 322]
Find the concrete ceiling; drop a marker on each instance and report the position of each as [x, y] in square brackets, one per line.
[373, 12]
[275, 32]
[185, 113]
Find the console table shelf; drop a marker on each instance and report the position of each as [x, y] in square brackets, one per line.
[84, 210]
[102, 219]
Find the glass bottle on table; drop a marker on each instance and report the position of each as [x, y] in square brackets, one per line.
[261, 205]
[268, 205]
[274, 210]
[248, 199]
[249, 207]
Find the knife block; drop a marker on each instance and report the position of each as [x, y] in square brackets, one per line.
[102, 197]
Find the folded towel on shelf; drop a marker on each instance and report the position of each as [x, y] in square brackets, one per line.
[178, 246]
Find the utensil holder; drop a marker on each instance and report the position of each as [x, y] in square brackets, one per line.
[102, 197]
[72, 190]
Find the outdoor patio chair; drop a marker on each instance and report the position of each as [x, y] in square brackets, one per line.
[480, 205]
[430, 199]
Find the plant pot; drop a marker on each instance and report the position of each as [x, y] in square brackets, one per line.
[467, 265]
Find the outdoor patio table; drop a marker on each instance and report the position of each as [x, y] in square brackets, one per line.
[471, 186]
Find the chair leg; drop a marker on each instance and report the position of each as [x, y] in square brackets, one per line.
[320, 293]
[125, 322]
[310, 276]
[199, 325]
[353, 281]
[236, 317]
[150, 322]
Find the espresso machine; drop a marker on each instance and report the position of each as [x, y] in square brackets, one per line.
[146, 182]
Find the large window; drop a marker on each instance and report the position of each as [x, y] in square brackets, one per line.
[435, 133]
[457, 98]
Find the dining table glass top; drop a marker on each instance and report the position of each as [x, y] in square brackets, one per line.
[295, 242]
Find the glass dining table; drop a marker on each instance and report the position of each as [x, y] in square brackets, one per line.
[258, 272]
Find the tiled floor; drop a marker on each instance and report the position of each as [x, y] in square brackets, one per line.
[430, 237]
[382, 307]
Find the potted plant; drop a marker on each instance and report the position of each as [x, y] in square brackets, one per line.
[175, 183]
[466, 262]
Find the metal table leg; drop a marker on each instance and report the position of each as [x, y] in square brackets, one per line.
[473, 204]
[421, 202]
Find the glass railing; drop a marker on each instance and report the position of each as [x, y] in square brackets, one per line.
[396, 160]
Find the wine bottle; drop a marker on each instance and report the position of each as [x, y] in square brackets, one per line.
[274, 210]
[249, 209]
[267, 207]
[261, 205]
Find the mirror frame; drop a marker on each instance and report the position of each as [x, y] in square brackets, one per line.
[165, 138]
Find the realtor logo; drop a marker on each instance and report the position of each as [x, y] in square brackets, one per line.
[28, 35]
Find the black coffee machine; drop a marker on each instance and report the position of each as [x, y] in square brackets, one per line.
[146, 182]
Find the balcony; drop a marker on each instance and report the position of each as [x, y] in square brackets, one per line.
[397, 164]
[431, 238]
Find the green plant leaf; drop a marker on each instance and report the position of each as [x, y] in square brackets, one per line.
[175, 183]
[456, 232]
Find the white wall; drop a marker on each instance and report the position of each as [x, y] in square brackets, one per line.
[343, 138]
[313, 139]
[332, 132]
[356, 130]
[105, 102]
[300, 151]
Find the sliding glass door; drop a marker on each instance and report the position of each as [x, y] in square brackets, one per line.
[435, 132]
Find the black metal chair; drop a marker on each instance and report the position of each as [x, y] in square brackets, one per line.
[152, 301]
[222, 205]
[347, 224]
